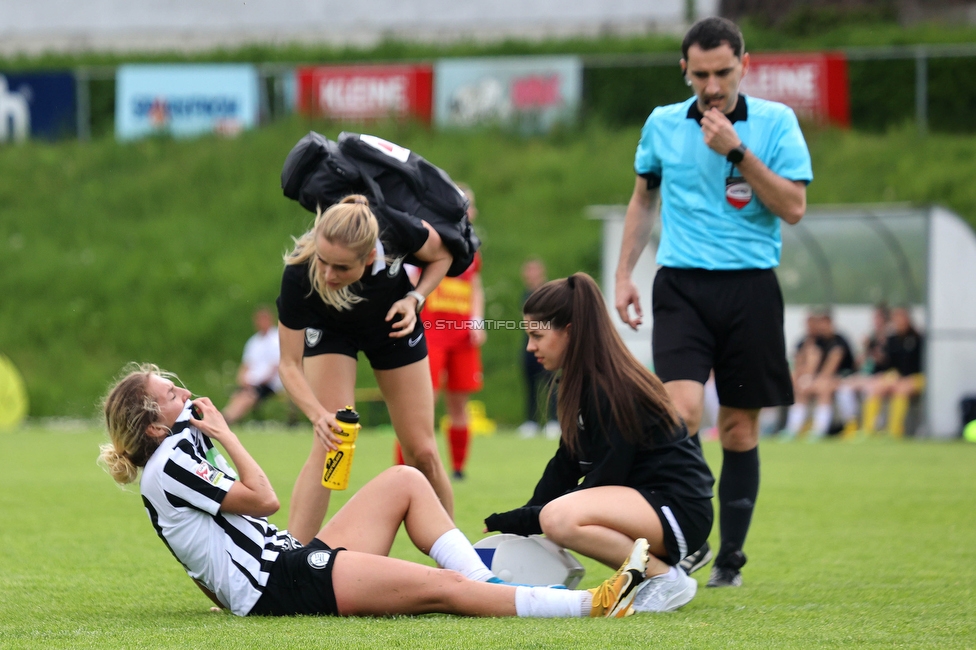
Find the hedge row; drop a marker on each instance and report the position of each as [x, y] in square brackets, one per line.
[882, 93]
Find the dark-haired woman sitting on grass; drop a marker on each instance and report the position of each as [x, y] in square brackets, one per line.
[642, 477]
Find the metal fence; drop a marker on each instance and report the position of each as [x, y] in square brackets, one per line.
[609, 81]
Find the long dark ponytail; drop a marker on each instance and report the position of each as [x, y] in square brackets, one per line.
[596, 354]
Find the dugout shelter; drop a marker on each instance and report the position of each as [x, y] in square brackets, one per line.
[850, 257]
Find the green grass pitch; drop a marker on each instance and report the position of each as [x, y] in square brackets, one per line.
[867, 544]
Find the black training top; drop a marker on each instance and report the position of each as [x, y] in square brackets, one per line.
[299, 306]
[828, 344]
[673, 465]
[904, 353]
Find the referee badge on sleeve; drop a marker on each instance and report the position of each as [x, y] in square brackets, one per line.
[737, 192]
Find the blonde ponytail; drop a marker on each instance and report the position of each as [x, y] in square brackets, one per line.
[118, 466]
[129, 412]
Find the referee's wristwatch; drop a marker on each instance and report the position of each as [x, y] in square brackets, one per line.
[419, 297]
[736, 154]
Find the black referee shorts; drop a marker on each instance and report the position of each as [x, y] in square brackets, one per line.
[729, 321]
[300, 582]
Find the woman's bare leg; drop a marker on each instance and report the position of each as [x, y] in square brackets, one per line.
[374, 585]
[370, 519]
[603, 523]
[409, 397]
[333, 379]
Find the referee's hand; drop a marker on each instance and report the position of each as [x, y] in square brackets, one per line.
[626, 294]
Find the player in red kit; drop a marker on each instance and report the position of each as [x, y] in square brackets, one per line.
[453, 318]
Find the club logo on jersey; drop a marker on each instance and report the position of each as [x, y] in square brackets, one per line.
[208, 473]
[737, 192]
[319, 559]
[395, 267]
[312, 337]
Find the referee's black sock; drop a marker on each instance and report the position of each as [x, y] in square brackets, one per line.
[737, 491]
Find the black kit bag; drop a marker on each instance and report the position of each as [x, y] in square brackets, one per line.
[402, 187]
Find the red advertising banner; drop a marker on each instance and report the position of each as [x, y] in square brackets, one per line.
[814, 85]
[365, 92]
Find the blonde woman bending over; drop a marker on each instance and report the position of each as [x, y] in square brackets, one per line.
[344, 290]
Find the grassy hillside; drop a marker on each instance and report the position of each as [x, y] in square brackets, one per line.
[159, 250]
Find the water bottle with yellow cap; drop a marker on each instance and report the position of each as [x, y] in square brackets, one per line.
[339, 462]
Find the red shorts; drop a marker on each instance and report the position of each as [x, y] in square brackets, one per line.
[462, 363]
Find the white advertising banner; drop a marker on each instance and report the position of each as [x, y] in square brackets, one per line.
[530, 92]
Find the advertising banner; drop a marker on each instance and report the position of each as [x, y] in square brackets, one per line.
[39, 105]
[184, 100]
[365, 92]
[814, 85]
[533, 93]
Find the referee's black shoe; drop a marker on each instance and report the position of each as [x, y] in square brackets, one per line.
[697, 560]
[729, 574]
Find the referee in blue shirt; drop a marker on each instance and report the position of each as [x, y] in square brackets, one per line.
[726, 168]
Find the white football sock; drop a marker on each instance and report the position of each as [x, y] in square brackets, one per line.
[796, 417]
[543, 602]
[453, 551]
[822, 415]
[846, 400]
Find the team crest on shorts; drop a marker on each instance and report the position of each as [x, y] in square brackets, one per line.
[319, 559]
[312, 337]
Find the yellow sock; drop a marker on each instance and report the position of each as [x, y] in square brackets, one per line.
[850, 430]
[871, 408]
[897, 410]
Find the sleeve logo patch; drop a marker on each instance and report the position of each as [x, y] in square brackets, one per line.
[208, 473]
[312, 337]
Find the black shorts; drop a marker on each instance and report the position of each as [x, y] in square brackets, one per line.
[264, 391]
[686, 523]
[300, 583]
[383, 351]
[729, 321]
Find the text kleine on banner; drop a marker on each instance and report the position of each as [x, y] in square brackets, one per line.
[814, 85]
[365, 92]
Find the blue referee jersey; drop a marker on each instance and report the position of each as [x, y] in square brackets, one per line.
[710, 218]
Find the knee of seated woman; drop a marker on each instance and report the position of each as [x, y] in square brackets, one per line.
[557, 522]
[405, 475]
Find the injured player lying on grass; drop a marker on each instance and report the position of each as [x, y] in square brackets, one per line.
[214, 521]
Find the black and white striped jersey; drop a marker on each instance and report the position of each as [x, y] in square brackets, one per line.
[182, 487]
